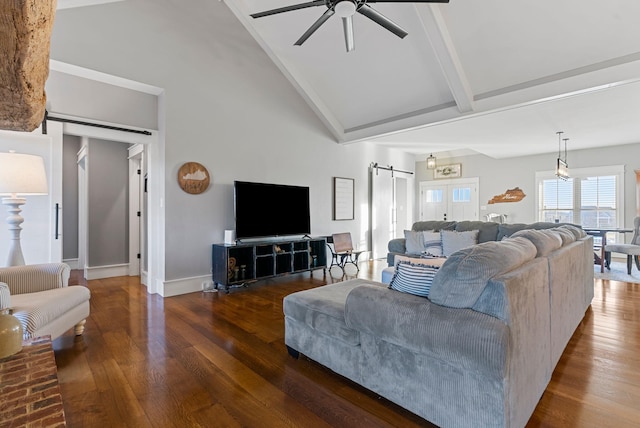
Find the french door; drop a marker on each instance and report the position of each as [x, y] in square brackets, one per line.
[450, 200]
[41, 235]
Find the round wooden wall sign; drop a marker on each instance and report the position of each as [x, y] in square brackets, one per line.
[193, 178]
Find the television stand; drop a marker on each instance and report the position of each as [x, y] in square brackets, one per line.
[238, 265]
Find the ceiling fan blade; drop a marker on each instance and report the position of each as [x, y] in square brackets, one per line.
[289, 8]
[347, 24]
[379, 18]
[407, 1]
[314, 27]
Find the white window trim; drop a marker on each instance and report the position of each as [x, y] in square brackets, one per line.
[617, 170]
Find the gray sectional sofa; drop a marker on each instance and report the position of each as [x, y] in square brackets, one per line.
[479, 351]
[487, 231]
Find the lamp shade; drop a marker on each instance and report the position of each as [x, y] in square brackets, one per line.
[22, 174]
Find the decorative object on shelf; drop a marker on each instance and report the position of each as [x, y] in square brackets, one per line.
[10, 334]
[343, 198]
[562, 167]
[231, 265]
[24, 175]
[511, 195]
[345, 9]
[448, 171]
[193, 178]
[431, 162]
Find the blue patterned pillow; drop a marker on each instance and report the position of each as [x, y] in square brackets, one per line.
[413, 278]
[432, 243]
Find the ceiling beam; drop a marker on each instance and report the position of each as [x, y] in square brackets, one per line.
[438, 34]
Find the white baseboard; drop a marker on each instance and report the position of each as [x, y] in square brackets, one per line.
[176, 287]
[73, 263]
[99, 272]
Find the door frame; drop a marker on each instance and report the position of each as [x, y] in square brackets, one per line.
[448, 182]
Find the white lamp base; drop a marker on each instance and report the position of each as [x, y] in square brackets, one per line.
[14, 221]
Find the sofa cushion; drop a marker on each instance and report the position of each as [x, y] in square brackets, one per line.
[464, 275]
[322, 309]
[566, 235]
[575, 230]
[436, 225]
[36, 310]
[545, 241]
[506, 230]
[487, 230]
[453, 241]
[413, 278]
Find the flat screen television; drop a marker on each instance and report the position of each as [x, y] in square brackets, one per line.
[266, 210]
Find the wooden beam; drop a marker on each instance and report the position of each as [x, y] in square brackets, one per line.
[25, 37]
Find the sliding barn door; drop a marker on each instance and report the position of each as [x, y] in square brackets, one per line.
[41, 236]
[390, 208]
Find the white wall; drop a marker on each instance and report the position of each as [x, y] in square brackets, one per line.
[227, 107]
[498, 175]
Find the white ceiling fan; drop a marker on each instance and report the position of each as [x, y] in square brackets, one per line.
[346, 9]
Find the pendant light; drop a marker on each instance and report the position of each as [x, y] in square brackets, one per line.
[431, 162]
[562, 168]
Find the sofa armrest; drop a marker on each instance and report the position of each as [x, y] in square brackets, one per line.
[397, 245]
[462, 337]
[34, 278]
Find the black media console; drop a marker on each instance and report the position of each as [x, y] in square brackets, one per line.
[235, 265]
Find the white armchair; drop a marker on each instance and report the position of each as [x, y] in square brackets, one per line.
[42, 299]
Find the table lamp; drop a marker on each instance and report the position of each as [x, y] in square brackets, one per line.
[23, 175]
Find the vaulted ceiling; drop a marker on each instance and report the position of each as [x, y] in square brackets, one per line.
[493, 76]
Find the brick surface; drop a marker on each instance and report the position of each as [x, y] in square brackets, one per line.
[29, 387]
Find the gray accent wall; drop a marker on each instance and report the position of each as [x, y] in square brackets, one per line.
[498, 175]
[70, 148]
[228, 107]
[108, 188]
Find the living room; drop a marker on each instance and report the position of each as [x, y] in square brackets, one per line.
[221, 101]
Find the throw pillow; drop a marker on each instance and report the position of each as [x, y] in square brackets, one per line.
[413, 278]
[453, 241]
[432, 243]
[414, 242]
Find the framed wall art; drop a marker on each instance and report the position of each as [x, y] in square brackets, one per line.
[343, 198]
[448, 171]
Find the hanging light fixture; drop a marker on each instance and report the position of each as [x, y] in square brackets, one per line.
[562, 168]
[431, 162]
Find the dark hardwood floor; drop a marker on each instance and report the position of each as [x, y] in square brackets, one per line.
[218, 360]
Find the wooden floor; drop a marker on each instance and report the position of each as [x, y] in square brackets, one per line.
[217, 360]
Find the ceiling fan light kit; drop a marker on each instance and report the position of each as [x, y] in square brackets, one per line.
[346, 9]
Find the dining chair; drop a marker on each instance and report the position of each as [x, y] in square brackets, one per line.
[342, 251]
[632, 250]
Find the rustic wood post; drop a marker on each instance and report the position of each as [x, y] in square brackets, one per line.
[25, 36]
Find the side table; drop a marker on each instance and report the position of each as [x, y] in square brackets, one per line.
[29, 388]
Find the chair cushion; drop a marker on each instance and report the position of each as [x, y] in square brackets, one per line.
[630, 249]
[36, 310]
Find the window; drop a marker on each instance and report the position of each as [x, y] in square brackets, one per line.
[462, 194]
[592, 197]
[434, 195]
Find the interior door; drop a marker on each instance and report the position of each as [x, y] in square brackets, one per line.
[382, 212]
[450, 200]
[41, 235]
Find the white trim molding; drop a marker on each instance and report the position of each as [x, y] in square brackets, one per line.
[99, 272]
[176, 287]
